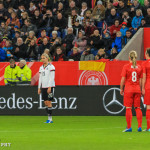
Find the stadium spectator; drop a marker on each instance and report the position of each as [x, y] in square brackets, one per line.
[4, 30]
[48, 21]
[13, 20]
[147, 18]
[101, 54]
[72, 5]
[77, 27]
[53, 38]
[2, 55]
[3, 12]
[90, 28]
[112, 17]
[127, 38]
[118, 41]
[74, 16]
[37, 19]
[43, 46]
[124, 29]
[11, 73]
[122, 8]
[107, 43]
[68, 39]
[136, 5]
[56, 43]
[59, 9]
[109, 6]
[87, 17]
[59, 55]
[30, 37]
[28, 27]
[83, 9]
[136, 22]
[20, 49]
[24, 16]
[47, 51]
[39, 41]
[99, 12]
[75, 55]
[145, 7]
[8, 45]
[115, 28]
[24, 73]
[114, 53]
[87, 55]
[126, 18]
[32, 51]
[3, 42]
[8, 3]
[60, 24]
[80, 41]
[32, 9]
[95, 42]
[17, 34]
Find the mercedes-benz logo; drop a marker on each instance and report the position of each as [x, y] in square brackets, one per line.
[111, 102]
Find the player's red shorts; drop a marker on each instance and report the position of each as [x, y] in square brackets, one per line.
[147, 97]
[132, 99]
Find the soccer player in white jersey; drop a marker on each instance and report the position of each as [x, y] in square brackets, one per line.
[46, 84]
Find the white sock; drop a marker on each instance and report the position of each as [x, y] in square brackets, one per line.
[49, 117]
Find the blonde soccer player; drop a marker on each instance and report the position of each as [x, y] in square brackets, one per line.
[132, 79]
[47, 84]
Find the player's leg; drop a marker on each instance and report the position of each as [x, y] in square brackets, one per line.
[137, 103]
[49, 105]
[45, 98]
[147, 102]
[148, 117]
[128, 101]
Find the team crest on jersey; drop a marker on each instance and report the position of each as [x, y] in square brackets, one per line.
[93, 78]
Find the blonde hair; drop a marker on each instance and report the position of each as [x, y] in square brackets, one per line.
[44, 54]
[133, 57]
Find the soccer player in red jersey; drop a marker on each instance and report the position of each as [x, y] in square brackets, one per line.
[132, 79]
[146, 87]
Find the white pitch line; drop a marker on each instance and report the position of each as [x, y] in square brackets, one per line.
[62, 130]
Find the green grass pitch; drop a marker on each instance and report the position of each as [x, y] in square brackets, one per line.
[71, 133]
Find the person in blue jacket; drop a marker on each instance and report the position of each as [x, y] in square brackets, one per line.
[124, 29]
[118, 41]
[2, 55]
[136, 22]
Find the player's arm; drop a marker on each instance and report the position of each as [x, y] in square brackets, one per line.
[51, 80]
[143, 83]
[122, 85]
[40, 83]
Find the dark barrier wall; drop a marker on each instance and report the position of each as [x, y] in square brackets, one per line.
[69, 100]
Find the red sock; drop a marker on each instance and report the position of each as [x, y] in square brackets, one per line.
[148, 118]
[139, 117]
[128, 117]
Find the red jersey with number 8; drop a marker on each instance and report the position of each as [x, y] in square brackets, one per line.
[132, 76]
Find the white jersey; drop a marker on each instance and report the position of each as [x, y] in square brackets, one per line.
[46, 76]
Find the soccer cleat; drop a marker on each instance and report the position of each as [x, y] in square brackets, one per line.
[146, 130]
[51, 121]
[139, 129]
[127, 130]
[47, 121]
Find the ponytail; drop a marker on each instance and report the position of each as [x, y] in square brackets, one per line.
[133, 56]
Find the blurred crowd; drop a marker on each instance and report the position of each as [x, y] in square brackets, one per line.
[69, 30]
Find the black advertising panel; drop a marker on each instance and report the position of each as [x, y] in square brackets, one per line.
[68, 101]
